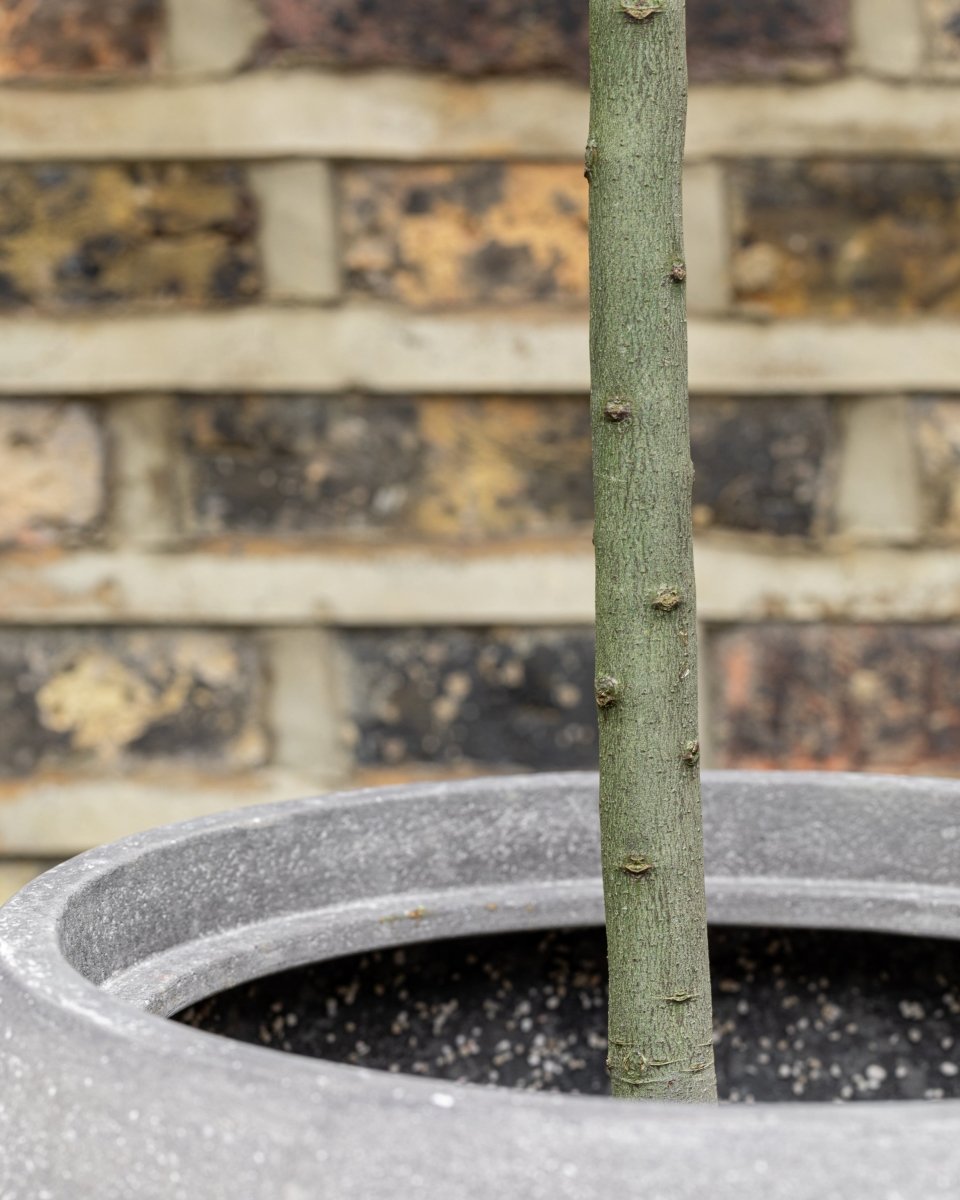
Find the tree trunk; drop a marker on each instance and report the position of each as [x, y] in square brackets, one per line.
[646, 688]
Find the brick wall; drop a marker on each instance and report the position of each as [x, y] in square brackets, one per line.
[294, 450]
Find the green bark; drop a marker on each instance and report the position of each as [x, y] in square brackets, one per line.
[652, 840]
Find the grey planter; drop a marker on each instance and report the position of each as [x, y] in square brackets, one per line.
[101, 1099]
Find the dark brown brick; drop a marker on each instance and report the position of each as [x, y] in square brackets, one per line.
[485, 233]
[435, 467]
[498, 697]
[52, 472]
[936, 428]
[843, 238]
[757, 39]
[766, 39]
[869, 697]
[150, 234]
[78, 37]
[468, 37]
[762, 465]
[83, 698]
[468, 468]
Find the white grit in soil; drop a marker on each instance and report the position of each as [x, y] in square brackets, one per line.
[798, 1015]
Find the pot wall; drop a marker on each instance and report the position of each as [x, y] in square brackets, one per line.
[101, 1099]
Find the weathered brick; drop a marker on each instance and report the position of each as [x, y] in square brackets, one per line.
[936, 428]
[766, 39]
[83, 698]
[470, 468]
[78, 37]
[943, 30]
[843, 238]
[469, 37]
[758, 39]
[154, 234]
[869, 697]
[762, 465]
[432, 467]
[52, 464]
[500, 697]
[485, 233]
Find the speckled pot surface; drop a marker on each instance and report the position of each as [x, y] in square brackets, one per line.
[101, 1099]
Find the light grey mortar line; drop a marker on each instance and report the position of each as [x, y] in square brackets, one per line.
[145, 474]
[298, 236]
[888, 39]
[708, 237]
[878, 496]
[304, 715]
[210, 39]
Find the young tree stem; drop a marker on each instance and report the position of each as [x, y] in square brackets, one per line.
[652, 838]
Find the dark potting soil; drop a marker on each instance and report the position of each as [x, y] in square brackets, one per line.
[799, 1015]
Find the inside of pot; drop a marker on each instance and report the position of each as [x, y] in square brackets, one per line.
[799, 1014]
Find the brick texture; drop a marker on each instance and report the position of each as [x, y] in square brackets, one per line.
[78, 37]
[936, 428]
[766, 39]
[943, 25]
[845, 238]
[469, 468]
[76, 237]
[89, 699]
[859, 231]
[434, 467]
[52, 472]
[763, 465]
[483, 233]
[758, 39]
[502, 698]
[469, 37]
[872, 697]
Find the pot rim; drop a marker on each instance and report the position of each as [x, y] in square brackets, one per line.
[823, 850]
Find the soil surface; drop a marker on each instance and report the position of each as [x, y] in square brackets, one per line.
[799, 1015]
